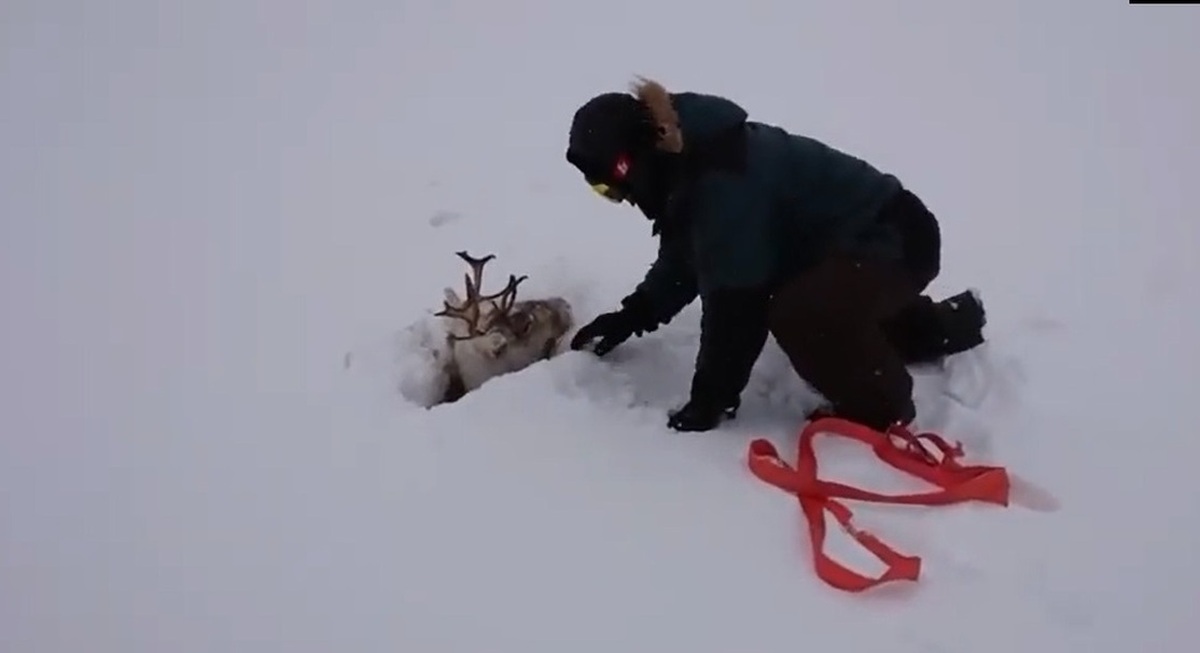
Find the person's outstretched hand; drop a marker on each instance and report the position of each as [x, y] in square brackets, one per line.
[610, 329]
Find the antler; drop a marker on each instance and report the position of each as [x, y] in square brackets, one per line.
[469, 311]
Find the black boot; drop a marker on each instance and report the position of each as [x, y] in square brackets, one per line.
[926, 331]
[963, 318]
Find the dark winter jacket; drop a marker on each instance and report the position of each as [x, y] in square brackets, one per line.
[752, 206]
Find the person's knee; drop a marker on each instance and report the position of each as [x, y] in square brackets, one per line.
[877, 396]
[879, 413]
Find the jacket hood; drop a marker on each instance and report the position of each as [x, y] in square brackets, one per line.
[686, 117]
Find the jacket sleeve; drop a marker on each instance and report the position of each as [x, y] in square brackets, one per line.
[736, 236]
[668, 287]
[733, 330]
[735, 258]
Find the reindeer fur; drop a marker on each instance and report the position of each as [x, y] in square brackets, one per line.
[501, 337]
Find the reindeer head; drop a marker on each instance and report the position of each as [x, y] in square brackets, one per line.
[493, 334]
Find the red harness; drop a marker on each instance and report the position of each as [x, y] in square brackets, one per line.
[899, 448]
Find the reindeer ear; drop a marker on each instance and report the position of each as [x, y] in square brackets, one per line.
[451, 296]
[491, 346]
[454, 327]
[495, 345]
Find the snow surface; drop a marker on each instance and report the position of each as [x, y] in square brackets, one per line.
[206, 205]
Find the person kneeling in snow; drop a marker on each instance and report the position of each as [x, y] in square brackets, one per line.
[776, 233]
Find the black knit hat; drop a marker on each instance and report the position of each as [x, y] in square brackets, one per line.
[605, 129]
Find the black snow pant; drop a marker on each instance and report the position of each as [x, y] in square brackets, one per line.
[853, 323]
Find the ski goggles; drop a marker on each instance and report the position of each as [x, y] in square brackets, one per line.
[607, 191]
[610, 190]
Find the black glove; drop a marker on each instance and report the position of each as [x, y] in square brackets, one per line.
[698, 416]
[636, 317]
[611, 328]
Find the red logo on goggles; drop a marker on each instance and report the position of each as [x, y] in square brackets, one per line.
[611, 191]
[621, 168]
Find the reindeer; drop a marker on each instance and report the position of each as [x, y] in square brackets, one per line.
[492, 335]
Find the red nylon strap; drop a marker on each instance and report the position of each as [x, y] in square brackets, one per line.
[899, 448]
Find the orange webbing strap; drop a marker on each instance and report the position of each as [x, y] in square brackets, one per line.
[958, 483]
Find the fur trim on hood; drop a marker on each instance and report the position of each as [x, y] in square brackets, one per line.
[662, 111]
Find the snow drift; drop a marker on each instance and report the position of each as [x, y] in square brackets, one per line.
[205, 205]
